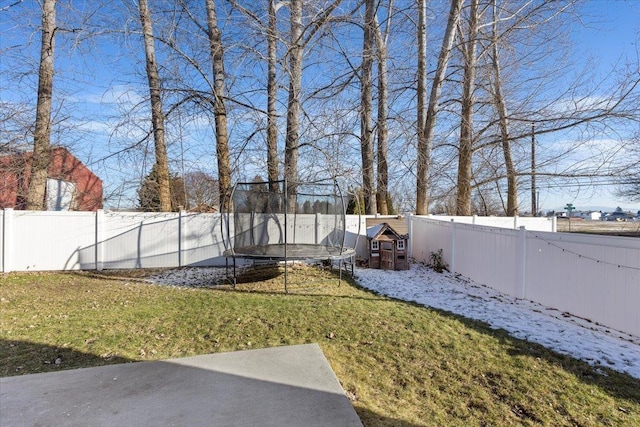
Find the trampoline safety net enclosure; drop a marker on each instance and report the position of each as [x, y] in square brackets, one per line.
[280, 220]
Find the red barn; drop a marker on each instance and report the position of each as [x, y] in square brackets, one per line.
[70, 184]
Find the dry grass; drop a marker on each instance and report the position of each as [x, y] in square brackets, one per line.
[400, 364]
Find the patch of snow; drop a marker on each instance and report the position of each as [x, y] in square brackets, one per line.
[527, 320]
[192, 277]
[523, 319]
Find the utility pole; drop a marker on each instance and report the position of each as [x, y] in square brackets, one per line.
[534, 202]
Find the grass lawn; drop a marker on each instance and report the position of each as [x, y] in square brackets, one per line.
[400, 364]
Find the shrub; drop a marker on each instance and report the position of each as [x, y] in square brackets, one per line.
[437, 263]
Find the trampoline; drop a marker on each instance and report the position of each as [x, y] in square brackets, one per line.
[292, 251]
[275, 221]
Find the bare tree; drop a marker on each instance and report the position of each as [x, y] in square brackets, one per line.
[299, 37]
[202, 191]
[220, 110]
[272, 95]
[425, 141]
[382, 43]
[366, 110]
[157, 114]
[323, 109]
[628, 173]
[421, 35]
[528, 93]
[503, 119]
[465, 149]
[296, 50]
[148, 193]
[270, 32]
[42, 134]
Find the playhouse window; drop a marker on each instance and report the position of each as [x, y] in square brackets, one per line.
[374, 245]
[400, 244]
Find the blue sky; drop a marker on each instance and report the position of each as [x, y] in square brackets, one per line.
[609, 34]
[611, 27]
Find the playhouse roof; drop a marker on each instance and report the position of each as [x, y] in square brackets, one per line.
[373, 231]
[397, 224]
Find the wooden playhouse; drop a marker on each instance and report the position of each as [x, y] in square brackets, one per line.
[388, 240]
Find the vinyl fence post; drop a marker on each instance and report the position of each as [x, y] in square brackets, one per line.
[317, 228]
[521, 263]
[7, 239]
[410, 219]
[99, 240]
[181, 234]
[515, 222]
[452, 264]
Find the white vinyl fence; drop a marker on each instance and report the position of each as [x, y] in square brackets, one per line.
[594, 277]
[38, 241]
[46, 241]
[514, 222]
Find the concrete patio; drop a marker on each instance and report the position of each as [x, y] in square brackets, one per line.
[282, 386]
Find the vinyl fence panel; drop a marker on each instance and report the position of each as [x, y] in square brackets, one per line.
[202, 240]
[590, 276]
[153, 242]
[530, 223]
[594, 277]
[427, 236]
[48, 240]
[488, 255]
[149, 240]
[38, 241]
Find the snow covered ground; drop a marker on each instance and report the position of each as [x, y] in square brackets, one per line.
[562, 332]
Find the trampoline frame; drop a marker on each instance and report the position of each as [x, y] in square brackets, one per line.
[285, 250]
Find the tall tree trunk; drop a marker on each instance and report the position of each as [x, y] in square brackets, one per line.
[272, 97]
[382, 193]
[425, 142]
[42, 133]
[501, 107]
[157, 115]
[219, 108]
[422, 71]
[296, 50]
[465, 155]
[366, 111]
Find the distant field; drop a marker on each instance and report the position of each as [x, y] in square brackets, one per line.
[611, 228]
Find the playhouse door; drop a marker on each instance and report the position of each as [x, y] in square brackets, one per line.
[386, 256]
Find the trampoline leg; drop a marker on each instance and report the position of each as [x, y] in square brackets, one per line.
[286, 276]
[234, 273]
[233, 269]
